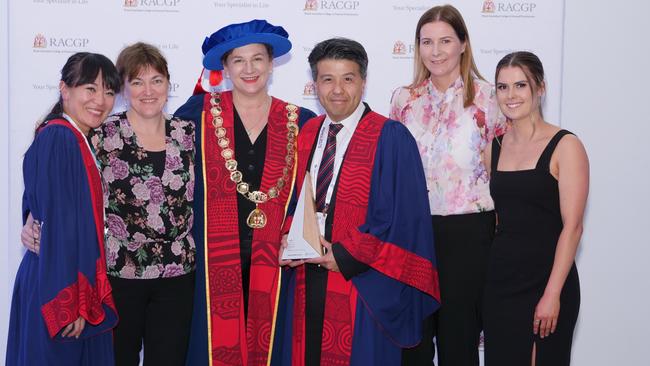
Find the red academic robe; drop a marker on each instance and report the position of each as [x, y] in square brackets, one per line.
[220, 333]
[380, 217]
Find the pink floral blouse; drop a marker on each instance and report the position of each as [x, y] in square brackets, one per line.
[148, 201]
[451, 139]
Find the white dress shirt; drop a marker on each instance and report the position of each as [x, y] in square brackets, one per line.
[342, 141]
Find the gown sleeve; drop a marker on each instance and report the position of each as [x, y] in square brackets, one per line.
[396, 241]
[192, 109]
[71, 275]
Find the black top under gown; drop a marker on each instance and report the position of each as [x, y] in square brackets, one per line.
[250, 157]
[527, 204]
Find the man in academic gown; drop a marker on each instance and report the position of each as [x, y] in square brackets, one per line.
[365, 299]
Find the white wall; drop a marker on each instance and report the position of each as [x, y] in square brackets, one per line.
[602, 101]
[6, 268]
[606, 53]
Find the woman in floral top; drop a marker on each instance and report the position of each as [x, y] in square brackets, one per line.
[452, 113]
[149, 211]
[147, 161]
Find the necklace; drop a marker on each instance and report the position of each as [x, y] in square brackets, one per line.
[257, 218]
[250, 131]
[260, 121]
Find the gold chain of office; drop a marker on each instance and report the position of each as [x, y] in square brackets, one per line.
[257, 218]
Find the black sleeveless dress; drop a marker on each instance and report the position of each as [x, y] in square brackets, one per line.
[527, 203]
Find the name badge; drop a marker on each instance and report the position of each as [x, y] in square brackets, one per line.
[321, 217]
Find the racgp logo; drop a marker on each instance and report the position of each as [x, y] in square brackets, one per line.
[311, 5]
[40, 41]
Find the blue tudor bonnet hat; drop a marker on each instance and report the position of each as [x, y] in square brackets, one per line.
[242, 34]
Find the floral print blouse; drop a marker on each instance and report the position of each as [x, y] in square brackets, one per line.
[148, 202]
[451, 139]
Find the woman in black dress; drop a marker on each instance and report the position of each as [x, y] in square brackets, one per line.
[539, 183]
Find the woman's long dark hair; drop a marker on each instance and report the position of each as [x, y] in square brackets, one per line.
[83, 68]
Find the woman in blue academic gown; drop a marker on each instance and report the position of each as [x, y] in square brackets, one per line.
[62, 312]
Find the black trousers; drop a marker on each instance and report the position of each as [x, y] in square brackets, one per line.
[315, 294]
[423, 353]
[462, 244]
[156, 312]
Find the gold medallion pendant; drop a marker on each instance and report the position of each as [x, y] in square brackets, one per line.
[257, 218]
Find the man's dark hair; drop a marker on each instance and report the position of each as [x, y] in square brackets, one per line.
[339, 49]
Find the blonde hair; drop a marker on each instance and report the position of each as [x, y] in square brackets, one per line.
[468, 69]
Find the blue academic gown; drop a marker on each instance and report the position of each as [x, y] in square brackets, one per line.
[389, 313]
[57, 193]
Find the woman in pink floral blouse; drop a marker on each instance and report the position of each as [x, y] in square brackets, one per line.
[452, 113]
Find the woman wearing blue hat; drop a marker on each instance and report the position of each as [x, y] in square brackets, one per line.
[244, 169]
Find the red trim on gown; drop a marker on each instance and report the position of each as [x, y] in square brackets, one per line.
[350, 212]
[233, 341]
[82, 298]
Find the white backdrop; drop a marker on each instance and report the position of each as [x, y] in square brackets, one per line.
[7, 262]
[35, 43]
[605, 95]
